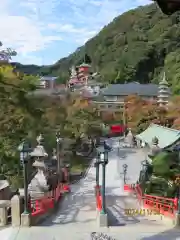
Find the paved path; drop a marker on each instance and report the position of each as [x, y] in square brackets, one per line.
[76, 217]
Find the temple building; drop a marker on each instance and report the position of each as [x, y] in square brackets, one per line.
[79, 75]
[47, 82]
[158, 137]
[164, 92]
[84, 71]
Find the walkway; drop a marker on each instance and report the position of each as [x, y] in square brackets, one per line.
[76, 217]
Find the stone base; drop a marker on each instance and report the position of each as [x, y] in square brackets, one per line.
[102, 220]
[25, 220]
[177, 220]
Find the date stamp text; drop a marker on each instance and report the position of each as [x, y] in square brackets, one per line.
[140, 212]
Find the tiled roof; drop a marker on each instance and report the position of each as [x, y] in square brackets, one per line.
[48, 78]
[84, 65]
[131, 88]
[166, 136]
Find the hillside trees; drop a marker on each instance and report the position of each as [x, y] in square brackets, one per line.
[136, 46]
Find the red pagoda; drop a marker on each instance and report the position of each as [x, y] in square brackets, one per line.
[79, 75]
[84, 73]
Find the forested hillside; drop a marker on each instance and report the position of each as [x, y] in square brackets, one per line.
[136, 46]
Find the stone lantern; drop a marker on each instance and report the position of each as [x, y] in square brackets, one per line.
[39, 184]
[130, 138]
[154, 149]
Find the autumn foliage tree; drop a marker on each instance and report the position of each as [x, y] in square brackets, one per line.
[174, 112]
[141, 113]
[17, 118]
[24, 115]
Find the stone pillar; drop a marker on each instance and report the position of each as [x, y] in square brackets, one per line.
[16, 210]
[25, 220]
[4, 204]
[177, 220]
[3, 217]
[102, 220]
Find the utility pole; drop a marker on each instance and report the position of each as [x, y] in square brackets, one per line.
[124, 120]
[58, 140]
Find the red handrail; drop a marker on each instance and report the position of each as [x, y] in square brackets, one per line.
[138, 192]
[164, 206]
[161, 205]
[40, 206]
[98, 198]
[127, 187]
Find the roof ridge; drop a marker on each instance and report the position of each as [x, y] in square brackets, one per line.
[160, 126]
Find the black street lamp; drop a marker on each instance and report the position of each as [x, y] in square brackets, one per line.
[24, 149]
[144, 164]
[144, 172]
[178, 185]
[104, 162]
[68, 170]
[125, 166]
[96, 165]
[66, 167]
[103, 154]
[177, 182]
[58, 141]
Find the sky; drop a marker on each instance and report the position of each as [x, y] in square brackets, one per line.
[43, 31]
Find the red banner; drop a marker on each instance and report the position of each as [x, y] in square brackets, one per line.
[117, 128]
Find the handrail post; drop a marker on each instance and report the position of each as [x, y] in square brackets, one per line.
[16, 210]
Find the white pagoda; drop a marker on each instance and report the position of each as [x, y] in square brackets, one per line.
[164, 92]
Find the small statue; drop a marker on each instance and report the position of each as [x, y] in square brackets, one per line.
[155, 141]
[155, 149]
[130, 138]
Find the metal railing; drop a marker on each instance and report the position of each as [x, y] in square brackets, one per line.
[165, 206]
[44, 204]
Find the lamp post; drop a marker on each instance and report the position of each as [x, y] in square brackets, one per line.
[24, 149]
[96, 165]
[177, 182]
[103, 153]
[178, 197]
[124, 120]
[119, 145]
[58, 141]
[125, 166]
[68, 171]
[144, 173]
